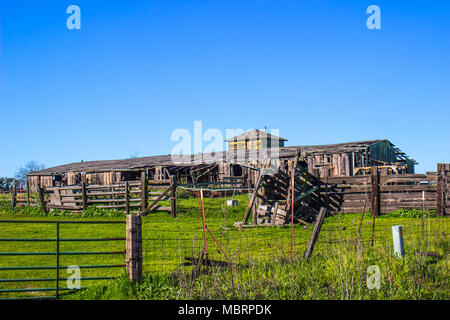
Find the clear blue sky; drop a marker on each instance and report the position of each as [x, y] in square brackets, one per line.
[137, 70]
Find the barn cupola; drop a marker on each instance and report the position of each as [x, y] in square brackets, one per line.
[254, 139]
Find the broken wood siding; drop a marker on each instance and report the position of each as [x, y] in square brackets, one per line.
[330, 165]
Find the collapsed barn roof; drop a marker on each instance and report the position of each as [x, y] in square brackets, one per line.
[232, 156]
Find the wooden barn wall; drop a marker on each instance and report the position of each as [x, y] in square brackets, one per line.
[34, 183]
[223, 170]
[46, 181]
[330, 165]
[159, 173]
[382, 151]
[71, 178]
[103, 178]
[42, 181]
[410, 165]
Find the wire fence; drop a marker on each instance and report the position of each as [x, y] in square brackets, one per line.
[167, 251]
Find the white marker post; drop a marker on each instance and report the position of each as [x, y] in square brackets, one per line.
[397, 236]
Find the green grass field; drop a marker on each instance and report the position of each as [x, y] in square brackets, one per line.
[337, 269]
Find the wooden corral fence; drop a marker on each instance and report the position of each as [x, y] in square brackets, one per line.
[129, 196]
[22, 196]
[380, 192]
[387, 193]
[139, 197]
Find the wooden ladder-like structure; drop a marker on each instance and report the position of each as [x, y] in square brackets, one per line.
[274, 189]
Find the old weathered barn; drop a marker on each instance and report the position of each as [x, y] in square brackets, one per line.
[335, 160]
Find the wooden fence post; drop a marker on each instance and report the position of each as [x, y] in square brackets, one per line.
[315, 233]
[375, 191]
[127, 199]
[441, 205]
[173, 196]
[254, 214]
[144, 194]
[13, 195]
[83, 195]
[134, 247]
[42, 199]
[28, 192]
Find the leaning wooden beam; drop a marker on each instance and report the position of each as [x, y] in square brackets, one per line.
[154, 203]
[255, 191]
[315, 233]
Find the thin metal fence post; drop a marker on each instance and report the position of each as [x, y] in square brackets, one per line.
[423, 215]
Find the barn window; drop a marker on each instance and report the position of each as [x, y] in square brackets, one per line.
[130, 175]
[236, 170]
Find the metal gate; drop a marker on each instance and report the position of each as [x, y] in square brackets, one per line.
[58, 253]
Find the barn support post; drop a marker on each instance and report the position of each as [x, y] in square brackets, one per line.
[13, 195]
[173, 196]
[134, 247]
[127, 199]
[441, 208]
[83, 195]
[375, 191]
[144, 194]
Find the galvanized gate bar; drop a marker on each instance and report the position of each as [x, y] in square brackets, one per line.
[58, 253]
[74, 222]
[61, 239]
[63, 267]
[62, 253]
[54, 279]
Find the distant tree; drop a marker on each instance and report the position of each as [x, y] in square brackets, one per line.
[134, 155]
[6, 183]
[30, 166]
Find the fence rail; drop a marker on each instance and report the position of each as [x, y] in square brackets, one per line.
[387, 193]
[382, 193]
